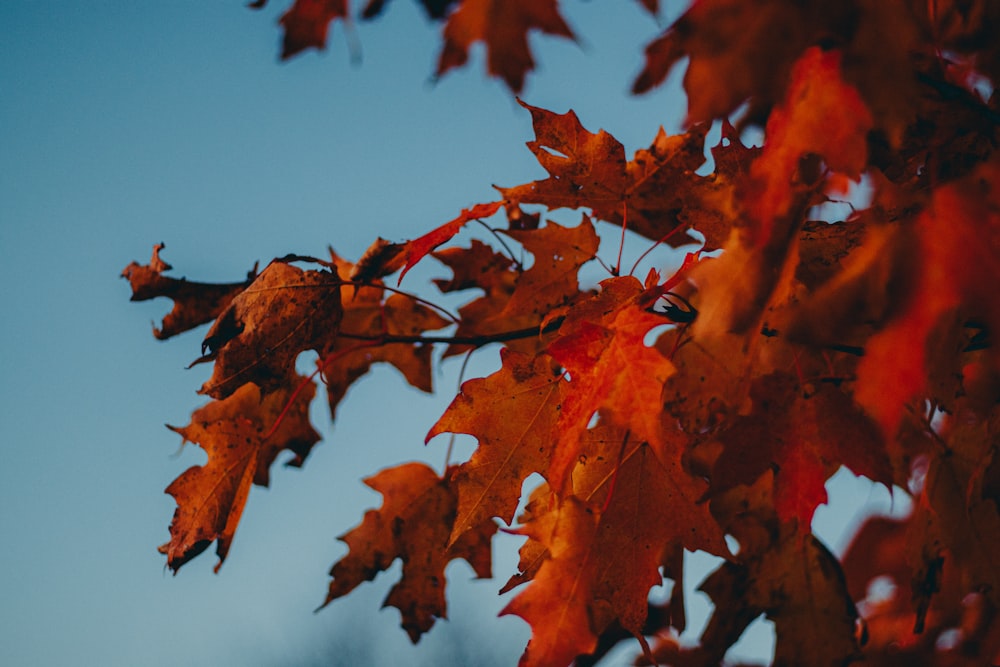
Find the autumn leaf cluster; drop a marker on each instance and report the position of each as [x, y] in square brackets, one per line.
[701, 406]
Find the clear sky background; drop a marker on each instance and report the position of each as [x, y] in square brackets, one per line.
[123, 124]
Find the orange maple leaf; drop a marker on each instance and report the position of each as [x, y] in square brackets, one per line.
[236, 433]
[611, 370]
[513, 413]
[958, 267]
[558, 602]
[478, 266]
[523, 299]
[503, 26]
[804, 439]
[649, 505]
[384, 257]
[367, 314]
[657, 192]
[551, 281]
[727, 66]
[798, 584]
[592, 557]
[820, 115]
[413, 524]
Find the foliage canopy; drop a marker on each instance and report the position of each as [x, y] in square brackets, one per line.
[671, 411]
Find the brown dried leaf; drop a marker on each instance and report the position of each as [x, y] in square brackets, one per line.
[258, 336]
[194, 303]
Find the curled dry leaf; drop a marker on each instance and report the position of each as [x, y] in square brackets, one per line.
[259, 335]
[194, 303]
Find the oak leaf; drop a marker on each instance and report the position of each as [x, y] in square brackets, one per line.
[502, 25]
[194, 303]
[242, 436]
[414, 525]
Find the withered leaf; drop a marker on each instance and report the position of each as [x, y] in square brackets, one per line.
[194, 303]
[258, 336]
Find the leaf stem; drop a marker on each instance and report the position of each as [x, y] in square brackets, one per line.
[475, 341]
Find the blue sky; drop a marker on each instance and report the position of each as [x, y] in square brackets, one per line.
[124, 124]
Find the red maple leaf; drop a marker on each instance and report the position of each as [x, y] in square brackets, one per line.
[307, 22]
[503, 26]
